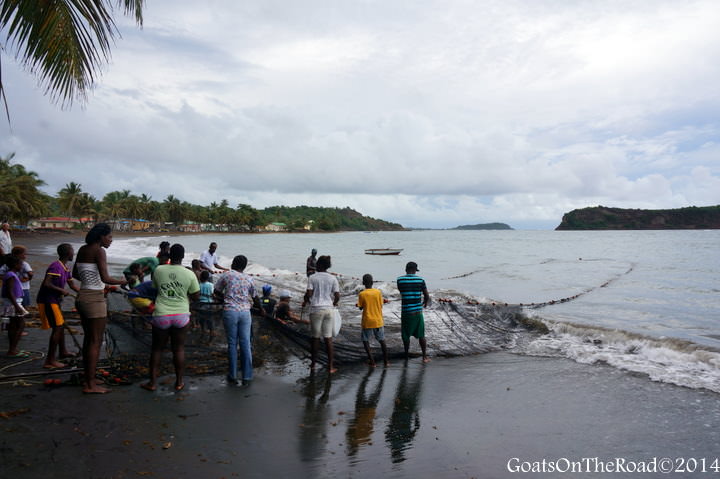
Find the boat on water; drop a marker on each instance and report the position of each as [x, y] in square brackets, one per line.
[384, 251]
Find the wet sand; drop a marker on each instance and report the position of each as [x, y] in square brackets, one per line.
[459, 417]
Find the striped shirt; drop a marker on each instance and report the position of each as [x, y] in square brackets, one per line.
[411, 288]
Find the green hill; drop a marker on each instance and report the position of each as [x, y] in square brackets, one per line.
[604, 218]
[486, 226]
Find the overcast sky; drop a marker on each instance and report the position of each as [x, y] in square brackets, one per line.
[427, 113]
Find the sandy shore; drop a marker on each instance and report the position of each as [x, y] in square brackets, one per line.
[475, 416]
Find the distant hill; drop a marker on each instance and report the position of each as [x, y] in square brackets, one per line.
[604, 218]
[486, 226]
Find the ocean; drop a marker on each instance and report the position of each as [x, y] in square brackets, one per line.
[641, 301]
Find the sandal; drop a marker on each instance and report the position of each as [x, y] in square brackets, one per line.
[19, 354]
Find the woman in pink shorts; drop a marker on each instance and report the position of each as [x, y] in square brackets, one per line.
[176, 286]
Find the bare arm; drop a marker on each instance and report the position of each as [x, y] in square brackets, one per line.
[426, 298]
[308, 295]
[101, 260]
[336, 298]
[47, 283]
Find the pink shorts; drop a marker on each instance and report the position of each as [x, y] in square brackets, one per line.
[170, 321]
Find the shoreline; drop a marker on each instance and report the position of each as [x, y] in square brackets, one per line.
[454, 417]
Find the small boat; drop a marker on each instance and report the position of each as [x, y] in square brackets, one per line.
[384, 251]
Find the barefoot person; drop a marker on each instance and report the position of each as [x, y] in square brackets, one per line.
[323, 294]
[49, 298]
[176, 287]
[238, 292]
[92, 272]
[12, 305]
[370, 300]
[415, 297]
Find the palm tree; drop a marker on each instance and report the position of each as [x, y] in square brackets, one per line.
[113, 204]
[20, 199]
[69, 198]
[65, 43]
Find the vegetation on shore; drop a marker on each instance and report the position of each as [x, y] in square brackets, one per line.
[485, 226]
[604, 218]
[22, 200]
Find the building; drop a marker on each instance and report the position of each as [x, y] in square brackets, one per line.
[59, 223]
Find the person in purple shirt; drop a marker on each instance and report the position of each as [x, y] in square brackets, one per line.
[49, 299]
[12, 295]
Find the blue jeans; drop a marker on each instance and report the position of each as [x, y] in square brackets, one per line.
[238, 325]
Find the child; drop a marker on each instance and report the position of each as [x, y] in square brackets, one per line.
[49, 298]
[267, 303]
[370, 300]
[206, 297]
[282, 311]
[12, 296]
[25, 274]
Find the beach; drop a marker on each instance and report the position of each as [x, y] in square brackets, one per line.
[497, 414]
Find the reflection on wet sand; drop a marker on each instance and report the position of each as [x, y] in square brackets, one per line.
[405, 419]
[313, 430]
[360, 427]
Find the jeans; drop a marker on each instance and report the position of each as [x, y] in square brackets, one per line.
[238, 325]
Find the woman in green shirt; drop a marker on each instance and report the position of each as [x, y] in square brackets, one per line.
[176, 287]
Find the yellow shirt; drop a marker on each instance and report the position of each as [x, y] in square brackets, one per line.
[371, 301]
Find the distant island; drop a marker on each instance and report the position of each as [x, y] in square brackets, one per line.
[605, 218]
[486, 226]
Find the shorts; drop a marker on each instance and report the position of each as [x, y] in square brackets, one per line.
[170, 321]
[412, 324]
[322, 322]
[50, 315]
[26, 298]
[91, 303]
[8, 309]
[368, 333]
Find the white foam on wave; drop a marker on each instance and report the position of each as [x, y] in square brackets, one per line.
[663, 359]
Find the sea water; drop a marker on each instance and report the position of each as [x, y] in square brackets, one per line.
[644, 301]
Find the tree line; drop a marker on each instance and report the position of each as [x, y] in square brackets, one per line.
[21, 200]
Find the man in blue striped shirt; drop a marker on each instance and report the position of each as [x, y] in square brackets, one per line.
[415, 297]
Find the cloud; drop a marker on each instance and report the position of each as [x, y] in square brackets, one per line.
[431, 115]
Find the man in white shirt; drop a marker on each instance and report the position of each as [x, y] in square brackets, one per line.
[209, 261]
[5, 240]
[323, 294]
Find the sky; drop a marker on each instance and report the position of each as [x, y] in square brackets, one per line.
[426, 113]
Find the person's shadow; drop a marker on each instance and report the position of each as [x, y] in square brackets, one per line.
[360, 427]
[405, 419]
[313, 430]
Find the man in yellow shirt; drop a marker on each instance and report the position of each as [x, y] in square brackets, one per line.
[370, 300]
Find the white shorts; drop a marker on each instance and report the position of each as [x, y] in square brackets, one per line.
[322, 322]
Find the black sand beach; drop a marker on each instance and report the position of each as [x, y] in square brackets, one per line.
[476, 416]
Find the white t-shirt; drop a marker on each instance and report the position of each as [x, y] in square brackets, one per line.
[208, 259]
[323, 285]
[5, 241]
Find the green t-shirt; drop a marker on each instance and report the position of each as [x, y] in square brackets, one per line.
[173, 283]
[148, 261]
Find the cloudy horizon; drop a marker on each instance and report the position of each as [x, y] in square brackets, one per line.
[428, 114]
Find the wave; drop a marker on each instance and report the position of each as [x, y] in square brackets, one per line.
[668, 360]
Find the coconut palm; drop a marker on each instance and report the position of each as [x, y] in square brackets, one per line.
[65, 43]
[21, 198]
[69, 198]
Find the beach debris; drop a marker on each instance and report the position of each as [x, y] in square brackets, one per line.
[17, 412]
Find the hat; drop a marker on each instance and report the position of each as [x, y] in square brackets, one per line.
[285, 294]
[412, 265]
[266, 289]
